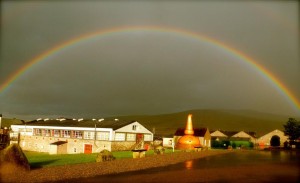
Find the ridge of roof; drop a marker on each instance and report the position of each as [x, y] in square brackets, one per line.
[114, 124]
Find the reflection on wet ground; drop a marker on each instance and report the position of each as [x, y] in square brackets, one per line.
[244, 162]
[234, 159]
[189, 164]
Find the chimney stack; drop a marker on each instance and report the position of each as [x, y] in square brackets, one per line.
[189, 126]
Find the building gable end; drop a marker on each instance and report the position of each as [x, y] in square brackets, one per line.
[134, 127]
[217, 133]
[242, 134]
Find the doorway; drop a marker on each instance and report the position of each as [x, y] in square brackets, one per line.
[88, 148]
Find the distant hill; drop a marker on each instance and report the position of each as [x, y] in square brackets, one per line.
[229, 120]
[5, 122]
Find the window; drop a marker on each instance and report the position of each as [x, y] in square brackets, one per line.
[134, 127]
[38, 132]
[56, 133]
[13, 136]
[131, 137]
[25, 130]
[89, 135]
[47, 133]
[120, 137]
[77, 134]
[102, 135]
[66, 133]
[147, 137]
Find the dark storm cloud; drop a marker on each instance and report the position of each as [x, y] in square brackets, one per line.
[147, 72]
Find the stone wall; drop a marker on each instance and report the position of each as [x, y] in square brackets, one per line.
[122, 146]
[74, 146]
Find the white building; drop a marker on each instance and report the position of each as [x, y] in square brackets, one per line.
[85, 136]
[265, 140]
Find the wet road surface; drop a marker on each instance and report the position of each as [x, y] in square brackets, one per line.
[240, 166]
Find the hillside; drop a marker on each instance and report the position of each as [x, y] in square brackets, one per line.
[8, 122]
[231, 120]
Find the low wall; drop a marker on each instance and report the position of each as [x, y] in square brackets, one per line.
[122, 146]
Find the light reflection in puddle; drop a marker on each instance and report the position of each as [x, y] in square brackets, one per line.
[189, 164]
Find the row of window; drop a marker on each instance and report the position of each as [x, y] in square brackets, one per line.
[131, 137]
[71, 134]
[88, 135]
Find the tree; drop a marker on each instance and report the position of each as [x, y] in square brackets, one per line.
[292, 129]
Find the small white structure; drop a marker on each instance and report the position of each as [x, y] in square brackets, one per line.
[168, 142]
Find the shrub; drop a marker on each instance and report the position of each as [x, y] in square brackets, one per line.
[105, 155]
[233, 145]
[159, 150]
[242, 144]
[215, 144]
[14, 156]
[225, 144]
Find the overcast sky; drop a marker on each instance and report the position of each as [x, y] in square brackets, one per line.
[148, 72]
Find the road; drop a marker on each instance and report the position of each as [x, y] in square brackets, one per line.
[241, 166]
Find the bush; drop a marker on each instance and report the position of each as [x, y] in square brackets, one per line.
[233, 145]
[225, 143]
[14, 156]
[215, 144]
[159, 150]
[242, 144]
[105, 155]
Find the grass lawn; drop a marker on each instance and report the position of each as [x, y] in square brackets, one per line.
[39, 159]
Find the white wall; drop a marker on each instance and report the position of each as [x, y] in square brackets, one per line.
[128, 128]
[168, 142]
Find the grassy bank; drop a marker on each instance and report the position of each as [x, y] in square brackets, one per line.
[39, 159]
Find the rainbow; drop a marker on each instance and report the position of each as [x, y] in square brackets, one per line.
[250, 61]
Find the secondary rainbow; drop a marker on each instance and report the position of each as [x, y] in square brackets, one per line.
[182, 32]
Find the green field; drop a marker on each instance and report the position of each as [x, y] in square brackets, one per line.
[40, 160]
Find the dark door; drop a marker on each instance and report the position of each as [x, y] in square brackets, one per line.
[139, 137]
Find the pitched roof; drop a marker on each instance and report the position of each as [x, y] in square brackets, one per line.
[199, 132]
[217, 133]
[232, 133]
[114, 124]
